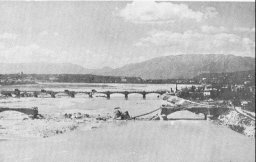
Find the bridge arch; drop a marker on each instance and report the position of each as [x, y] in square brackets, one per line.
[62, 94]
[136, 95]
[116, 93]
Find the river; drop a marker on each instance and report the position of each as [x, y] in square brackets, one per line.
[185, 138]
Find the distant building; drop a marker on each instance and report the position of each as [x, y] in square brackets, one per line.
[252, 89]
[236, 88]
[53, 78]
[247, 82]
[123, 79]
[207, 92]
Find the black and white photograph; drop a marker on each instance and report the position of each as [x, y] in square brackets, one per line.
[127, 81]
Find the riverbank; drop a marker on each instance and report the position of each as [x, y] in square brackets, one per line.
[18, 125]
[235, 118]
[237, 122]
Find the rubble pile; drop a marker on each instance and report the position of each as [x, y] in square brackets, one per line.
[238, 122]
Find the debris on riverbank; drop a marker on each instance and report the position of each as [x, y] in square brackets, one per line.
[238, 123]
[15, 124]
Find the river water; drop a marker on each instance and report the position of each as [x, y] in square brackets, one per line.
[184, 138]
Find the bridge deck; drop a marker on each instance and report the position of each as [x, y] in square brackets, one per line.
[86, 92]
[22, 93]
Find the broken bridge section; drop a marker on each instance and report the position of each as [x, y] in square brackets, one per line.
[29, 111]
[175, 103]
[211, 111]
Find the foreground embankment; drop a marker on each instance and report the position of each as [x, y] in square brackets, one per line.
[238, 122]
[142, 141]
[18, 125]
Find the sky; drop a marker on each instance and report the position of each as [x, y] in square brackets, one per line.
[116, 33]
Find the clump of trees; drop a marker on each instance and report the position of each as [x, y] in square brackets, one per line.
[226, 94]
[192, 93]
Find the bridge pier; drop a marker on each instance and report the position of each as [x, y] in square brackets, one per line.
[90, 94]
[108, 95]
[17, 92]
[35, 94]
[205, 116]
[144, 95]
[126, 95]
[43, 90]
[52, 95]
[72, 95]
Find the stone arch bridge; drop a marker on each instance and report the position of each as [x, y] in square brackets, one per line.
[19, 93]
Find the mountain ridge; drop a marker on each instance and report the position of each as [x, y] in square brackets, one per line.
[185, 66]
[165, 67]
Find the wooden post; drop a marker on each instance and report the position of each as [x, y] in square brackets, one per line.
[163, 113]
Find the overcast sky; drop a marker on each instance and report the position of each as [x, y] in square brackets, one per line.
[98, 34]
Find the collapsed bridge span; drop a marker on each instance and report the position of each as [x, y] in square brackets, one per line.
[28, 111]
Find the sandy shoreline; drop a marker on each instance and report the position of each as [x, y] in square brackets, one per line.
[16, 125]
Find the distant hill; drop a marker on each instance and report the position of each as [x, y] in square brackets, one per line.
[185, 66]
[168, 67]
